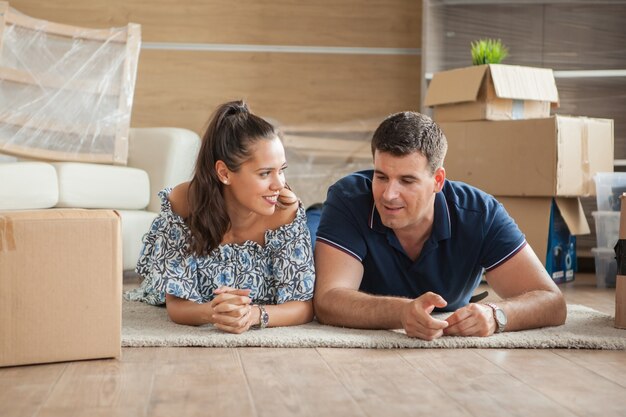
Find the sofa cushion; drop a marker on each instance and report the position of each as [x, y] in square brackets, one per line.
[135, 224]
[168, 154]
[27, 185]
[102, 186]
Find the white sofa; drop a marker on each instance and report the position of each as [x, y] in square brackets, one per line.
[157, 158]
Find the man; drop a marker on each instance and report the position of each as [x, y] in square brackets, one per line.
[397, 242]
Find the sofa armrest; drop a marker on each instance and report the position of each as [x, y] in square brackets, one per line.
[167, 154]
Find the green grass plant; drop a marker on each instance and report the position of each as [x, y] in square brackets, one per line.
[488, 51]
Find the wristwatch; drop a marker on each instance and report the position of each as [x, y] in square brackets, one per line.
[265, 318]
[500, 316]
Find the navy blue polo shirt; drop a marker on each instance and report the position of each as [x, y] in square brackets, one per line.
[472, 231]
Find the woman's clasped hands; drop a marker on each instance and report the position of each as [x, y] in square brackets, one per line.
[233, 311]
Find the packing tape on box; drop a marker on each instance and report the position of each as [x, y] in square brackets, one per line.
[7, 239]
[517, 109]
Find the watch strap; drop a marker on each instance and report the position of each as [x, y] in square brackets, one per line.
[264, 318]
[494, 310]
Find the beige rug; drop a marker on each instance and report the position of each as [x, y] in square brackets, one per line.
[145, 325]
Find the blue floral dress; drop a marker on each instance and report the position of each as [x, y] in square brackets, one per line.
[281, 270]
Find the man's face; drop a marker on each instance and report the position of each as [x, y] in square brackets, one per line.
[404, 189]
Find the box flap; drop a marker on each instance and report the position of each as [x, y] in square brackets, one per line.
[455, 86]
[524, 83]
[58, 214]
[572, 211]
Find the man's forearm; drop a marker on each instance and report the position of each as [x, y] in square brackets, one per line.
[351, 308]
[534, 309]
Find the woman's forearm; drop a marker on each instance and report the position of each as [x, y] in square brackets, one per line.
[188, 312]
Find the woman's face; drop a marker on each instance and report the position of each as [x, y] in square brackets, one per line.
[256, 185]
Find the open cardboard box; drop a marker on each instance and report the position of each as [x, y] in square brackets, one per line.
[550, 225]
[555, 156]
[60, 285]
[492, 92]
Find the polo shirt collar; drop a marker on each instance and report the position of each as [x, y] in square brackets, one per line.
[441, 227]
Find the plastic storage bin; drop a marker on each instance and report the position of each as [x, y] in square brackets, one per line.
[609, 187]
[606, 267]
[607, 228]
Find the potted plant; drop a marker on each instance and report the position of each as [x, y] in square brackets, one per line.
[488, 51]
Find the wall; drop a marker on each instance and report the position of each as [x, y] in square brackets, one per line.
[314, 63]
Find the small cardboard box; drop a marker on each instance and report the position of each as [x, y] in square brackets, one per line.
[60, 285]
[550, 225]
[556, 156]
[492, 92]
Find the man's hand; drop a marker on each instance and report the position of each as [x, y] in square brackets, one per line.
[471, 320]
[232, 310]
[416, 318]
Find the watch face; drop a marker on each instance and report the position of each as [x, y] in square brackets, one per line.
[265, 318]
[501, 317]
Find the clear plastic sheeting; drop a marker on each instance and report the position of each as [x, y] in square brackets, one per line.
[318, 156]
[66, 93]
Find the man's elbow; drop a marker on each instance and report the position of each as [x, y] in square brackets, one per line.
[322, 313]
[559, 311]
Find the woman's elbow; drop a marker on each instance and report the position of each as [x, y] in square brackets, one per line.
[307, 313]
[181, 315]
[176, 316]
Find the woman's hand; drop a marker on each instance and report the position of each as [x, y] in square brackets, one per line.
[232, 310]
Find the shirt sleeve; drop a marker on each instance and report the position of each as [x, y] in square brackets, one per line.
[340, 227]
[293, 267]
[165, 261]
[503, 238]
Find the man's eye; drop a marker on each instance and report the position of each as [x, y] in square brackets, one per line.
[264, 174]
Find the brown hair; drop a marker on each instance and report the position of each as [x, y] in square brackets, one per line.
[407, 132]
[231, 131]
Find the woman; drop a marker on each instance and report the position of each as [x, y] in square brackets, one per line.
[231, 247]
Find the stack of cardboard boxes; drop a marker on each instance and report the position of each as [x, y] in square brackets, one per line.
[503, 140]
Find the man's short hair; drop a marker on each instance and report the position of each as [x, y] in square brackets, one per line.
[406, 132]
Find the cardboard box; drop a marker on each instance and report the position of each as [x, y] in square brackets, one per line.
[492, 92]
[60, 285]
[620, 281]
[620, 302]
[550, 225]
[556, 156]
